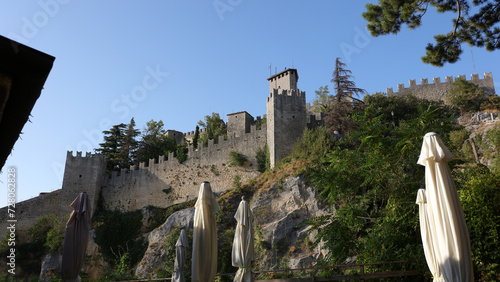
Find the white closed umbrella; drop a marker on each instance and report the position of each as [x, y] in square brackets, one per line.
[430, 256]
[180, 257]
[445, 235]
[204, 264]
[243, 249]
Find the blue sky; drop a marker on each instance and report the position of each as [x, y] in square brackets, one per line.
[177, 61]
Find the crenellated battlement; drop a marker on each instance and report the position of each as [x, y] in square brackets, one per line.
[286, 92]
[438, 90]
[190, 134]
[214, 153]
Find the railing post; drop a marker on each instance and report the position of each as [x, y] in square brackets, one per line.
[362, 272]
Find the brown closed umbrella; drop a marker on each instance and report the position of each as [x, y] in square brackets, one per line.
[76, 238]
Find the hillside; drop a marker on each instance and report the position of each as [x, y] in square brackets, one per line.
[334, 200]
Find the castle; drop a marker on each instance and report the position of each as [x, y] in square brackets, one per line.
[438, 90]
[165, 182]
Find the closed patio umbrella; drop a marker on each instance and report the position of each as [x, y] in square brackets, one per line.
[76, 238]
[180, 257]
[445, 233]
[243, 249]
[430, 256]
[204, 264]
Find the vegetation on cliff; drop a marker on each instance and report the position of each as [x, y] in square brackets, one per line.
[371, 176]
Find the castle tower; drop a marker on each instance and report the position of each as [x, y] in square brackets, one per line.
[239, 123]
[286, 114]
[82, 174]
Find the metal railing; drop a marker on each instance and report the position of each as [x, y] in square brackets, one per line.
[360, 275]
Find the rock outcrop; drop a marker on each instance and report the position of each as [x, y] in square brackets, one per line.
[155, 254]
[281, 213]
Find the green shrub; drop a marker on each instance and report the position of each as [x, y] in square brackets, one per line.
[118, 233]
[457, 141]
[313, 144]
[237, 183]
[466, 96]
[48, 233]
[237, 159]
[479, 192]
[263, 159]
[224, 262]
[181, 154]
[491, 104]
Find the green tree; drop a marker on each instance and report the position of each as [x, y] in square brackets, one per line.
[213, 127]
[323, 99]
[372, 179]
[113, 142]
[343, 84]
[338, 112]
[492, 104]
[196, 137]
[119, 146]
[263, 159]
[129, 145]
[476, 23]
[479, 192]
[466, 96]
[154, 143]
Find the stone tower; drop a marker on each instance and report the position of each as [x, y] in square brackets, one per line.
[286, 114]
[82, 174]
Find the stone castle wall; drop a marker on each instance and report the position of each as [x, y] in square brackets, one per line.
[286, 120]
[438, 90]
[29, 212]
[82, 174]
[167, 182]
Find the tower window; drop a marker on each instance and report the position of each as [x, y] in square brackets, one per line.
[80, 176]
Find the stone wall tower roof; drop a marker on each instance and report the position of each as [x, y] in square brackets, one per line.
[286, 79]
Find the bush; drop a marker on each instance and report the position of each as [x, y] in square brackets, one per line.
[118, 233]
[263, 159]
[237, 184]
[466, 96]
[313, 144]
[48, 232]
[492, 104]
[237, 159]
[457, 142]
[479, 192]
[181, 154]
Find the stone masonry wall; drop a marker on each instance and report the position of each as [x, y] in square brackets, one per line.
[286, 115]
[438, 90]
[168, 182]
[82, 174]
[30, 211]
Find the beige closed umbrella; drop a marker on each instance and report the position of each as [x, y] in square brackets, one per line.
[243, 249]
[430, 256]
[76, 238]
[180, 257]
[204, 258]
[448, 243]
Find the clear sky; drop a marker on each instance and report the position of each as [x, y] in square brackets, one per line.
[177, 61]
